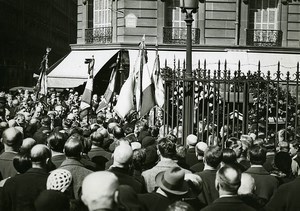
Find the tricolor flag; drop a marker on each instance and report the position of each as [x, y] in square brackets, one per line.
[148, 93]
[158, 83]
[87, 94]
[109, 91]
[144, 88]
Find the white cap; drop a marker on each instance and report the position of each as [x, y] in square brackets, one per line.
[202, 146]
[191, 140]
[136, 145]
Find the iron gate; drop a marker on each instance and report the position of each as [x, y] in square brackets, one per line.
[230, 103]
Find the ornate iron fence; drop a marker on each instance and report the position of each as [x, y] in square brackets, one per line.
[260, 37]
[177, 35]
[231, 103]
[98, 35]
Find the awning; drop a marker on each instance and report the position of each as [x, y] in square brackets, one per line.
[72, 71]
[248, 60]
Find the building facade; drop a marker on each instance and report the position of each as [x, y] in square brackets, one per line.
[252, 23]
[27, 29]
[255, 34]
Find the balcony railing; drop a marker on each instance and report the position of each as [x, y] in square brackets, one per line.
[98, 35]
[260, 37]
[177, 35]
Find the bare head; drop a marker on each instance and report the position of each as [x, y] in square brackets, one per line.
[228, 180]
[12, 138]
[97, 194]
[27, 144]
[40, 154]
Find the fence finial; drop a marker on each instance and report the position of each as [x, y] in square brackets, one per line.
[297, 72]
[174, 62]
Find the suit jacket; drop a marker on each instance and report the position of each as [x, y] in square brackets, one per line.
[198, 167]
[232, 203]
[126, 179]
[154, 201]
[190, 157]
[209, 192]
[7, 168]
[149, 175]
[286, 197]
[78, 171]
[265, 183]
[58, 159]
[20, 192]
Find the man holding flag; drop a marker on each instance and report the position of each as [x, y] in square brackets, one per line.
[110, 88]
[41, 86]
[86, 99]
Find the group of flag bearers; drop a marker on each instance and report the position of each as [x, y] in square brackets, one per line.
[142, 90]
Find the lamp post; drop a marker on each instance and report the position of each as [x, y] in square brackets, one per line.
[189, 7]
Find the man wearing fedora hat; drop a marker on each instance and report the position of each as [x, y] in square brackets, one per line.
[171, 187]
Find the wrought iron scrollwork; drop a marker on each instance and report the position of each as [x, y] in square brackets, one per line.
[98, 35]
[178, 35]
[260, 37]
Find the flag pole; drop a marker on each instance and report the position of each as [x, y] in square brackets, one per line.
[141, 73]
[91, 75]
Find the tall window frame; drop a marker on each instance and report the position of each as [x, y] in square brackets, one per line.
[264, 14]
[102, 13]
[174, 16]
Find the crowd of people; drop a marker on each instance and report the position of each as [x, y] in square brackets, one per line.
[52, 158]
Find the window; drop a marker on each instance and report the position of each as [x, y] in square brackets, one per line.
[263, 28]
[263, 14]
[102, 13]
[175, 18]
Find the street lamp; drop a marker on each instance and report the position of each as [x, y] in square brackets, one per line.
[189, 7]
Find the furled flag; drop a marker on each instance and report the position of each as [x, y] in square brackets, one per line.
[41, 86]
[158, 83]
[109, 91]
[125, 99]
[87, 94]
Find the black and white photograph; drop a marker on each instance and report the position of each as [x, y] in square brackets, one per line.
[149, 105]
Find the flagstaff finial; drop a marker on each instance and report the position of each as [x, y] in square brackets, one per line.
[48, 49]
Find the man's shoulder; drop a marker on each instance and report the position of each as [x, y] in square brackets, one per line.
[228, 203]
[7, 156]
